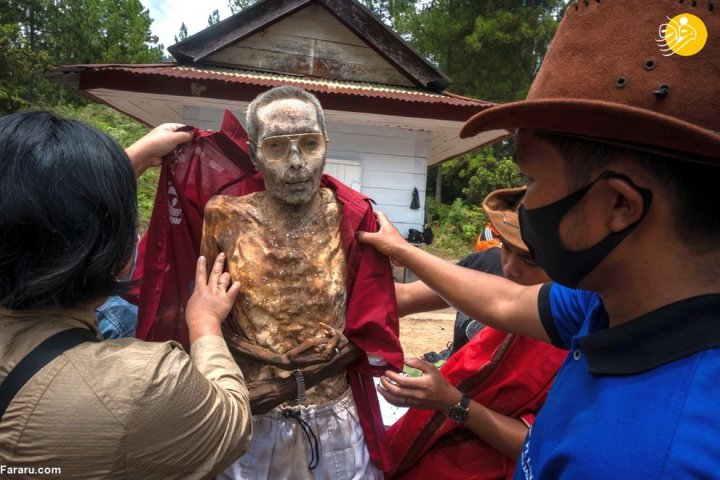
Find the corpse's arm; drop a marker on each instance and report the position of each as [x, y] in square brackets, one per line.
[501, 303]
[312, 351]
[268, 394]
[431, 391]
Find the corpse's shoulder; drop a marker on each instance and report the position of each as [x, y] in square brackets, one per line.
[228, 206]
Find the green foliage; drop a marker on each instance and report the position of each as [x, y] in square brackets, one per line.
[237, 5]
[122, 128]
[390, 10]
[183, 34]
[468, 179]
[490, 48]
[474, 175]
[36, 35]
[146, 188]
[213, 18]
[455, 226]
[17, 60]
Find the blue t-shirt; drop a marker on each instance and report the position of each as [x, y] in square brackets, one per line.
[634, 401]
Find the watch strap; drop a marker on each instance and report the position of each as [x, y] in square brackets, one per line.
[459, 412]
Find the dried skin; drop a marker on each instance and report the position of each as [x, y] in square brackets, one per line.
[292, 273]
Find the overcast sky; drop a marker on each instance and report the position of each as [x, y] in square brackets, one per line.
[168, 15]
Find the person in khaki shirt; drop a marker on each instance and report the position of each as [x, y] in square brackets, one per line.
[118, 408]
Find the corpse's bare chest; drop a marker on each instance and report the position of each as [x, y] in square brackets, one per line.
[292, 273]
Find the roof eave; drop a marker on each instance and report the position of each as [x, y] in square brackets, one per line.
[129, 79]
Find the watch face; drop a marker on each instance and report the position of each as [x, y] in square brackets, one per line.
[458, 413]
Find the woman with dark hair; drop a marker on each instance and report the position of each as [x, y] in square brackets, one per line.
[117, 408]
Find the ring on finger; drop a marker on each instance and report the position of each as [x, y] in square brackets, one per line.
[222, 285]
[406, 401]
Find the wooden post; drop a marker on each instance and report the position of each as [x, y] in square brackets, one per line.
[438, 184]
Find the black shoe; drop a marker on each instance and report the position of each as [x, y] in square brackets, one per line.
[432, 357]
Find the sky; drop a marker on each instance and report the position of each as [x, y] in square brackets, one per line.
[168, 15]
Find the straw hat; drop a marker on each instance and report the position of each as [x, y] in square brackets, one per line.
[501, 208]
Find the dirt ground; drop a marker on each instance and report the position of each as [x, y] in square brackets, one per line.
[421, 333]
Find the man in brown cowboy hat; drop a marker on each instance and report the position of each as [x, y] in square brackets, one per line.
[619, 137]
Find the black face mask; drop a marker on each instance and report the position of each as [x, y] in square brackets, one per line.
[539, 229]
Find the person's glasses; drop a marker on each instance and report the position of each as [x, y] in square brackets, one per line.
[277, 148]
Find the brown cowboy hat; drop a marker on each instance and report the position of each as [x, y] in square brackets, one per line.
[501, 208]
[611, 75]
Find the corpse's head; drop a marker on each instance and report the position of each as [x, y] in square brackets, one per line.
[288, 144]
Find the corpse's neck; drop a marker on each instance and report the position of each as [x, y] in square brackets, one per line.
[278, 210]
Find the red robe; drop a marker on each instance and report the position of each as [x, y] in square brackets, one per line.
[506, 373]
[215, 163]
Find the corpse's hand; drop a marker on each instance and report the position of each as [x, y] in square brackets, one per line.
[430, 391]
[312, 351]
[386, 240]
[268, 394]
[158, 142]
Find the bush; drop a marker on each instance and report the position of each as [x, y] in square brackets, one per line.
[474, 175]
[455, 226]
[468, 180]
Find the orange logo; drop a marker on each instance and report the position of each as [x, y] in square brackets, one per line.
[684, 34]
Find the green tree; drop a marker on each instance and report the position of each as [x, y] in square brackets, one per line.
[38, 34]
[214, 17]
[238, 5]
[473, 176]
[17, 61]
[491, 49]
[183, 33]
[103, 31]
[389, 10]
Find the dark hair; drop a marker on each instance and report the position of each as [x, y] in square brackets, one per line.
[274, 94]
[691, 186]
[68, 210]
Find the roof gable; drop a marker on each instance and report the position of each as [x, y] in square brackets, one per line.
[331, 39]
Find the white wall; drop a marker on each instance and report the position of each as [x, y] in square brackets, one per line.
[393, 162]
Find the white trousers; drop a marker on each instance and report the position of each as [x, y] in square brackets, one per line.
[280, 449]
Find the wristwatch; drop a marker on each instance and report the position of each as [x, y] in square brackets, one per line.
[459, 412]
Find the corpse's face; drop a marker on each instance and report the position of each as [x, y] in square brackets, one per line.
[294, 178]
